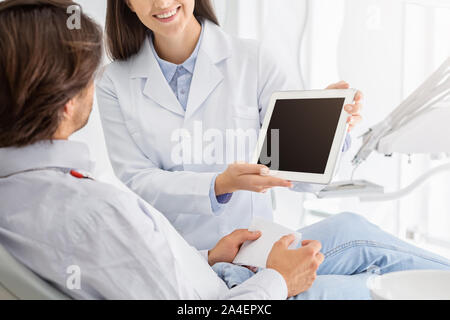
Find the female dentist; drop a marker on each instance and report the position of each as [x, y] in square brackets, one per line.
[176, 102]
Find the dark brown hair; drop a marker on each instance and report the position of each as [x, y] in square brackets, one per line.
[43, 65]
[125, 32]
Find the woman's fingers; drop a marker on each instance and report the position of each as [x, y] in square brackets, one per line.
[353, 121]
[252, 177]
[339, 85]
[277, 182]
[247, 168]
[260, 175]
[271, 182]
[263, 183]
[356, 119]
[353, 109]
[350, 128]
[359, 96]
[344, 85]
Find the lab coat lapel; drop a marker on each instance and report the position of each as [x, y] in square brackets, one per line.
[156, 87]
[207, 76]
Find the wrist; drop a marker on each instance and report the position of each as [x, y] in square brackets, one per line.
[285, 279]
[222, 185]
[211, 261]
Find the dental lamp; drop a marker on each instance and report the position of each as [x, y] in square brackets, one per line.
[419, 125]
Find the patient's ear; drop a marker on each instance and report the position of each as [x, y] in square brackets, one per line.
[69, 110]
[65, 128]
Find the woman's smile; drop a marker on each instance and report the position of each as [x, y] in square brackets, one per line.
[168, 15]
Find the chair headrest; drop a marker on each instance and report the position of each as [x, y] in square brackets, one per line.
[20, 282]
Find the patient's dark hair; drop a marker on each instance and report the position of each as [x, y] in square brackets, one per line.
[125, 33]
[43, 65]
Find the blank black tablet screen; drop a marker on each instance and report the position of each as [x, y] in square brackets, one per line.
[306, 129]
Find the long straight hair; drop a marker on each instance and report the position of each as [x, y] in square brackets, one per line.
[125, 33]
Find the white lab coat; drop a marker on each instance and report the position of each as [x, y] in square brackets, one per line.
[232, 83]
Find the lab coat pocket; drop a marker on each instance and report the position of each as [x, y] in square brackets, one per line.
[246, 131]
[246, 112]
[246, 117]
[136, 136]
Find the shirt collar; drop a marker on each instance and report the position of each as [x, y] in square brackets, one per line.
[46, 154]
[169, 69]
[216, 45]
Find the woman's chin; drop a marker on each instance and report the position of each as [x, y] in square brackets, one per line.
[169, 31]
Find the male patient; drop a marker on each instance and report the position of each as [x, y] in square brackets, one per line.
[56, 219]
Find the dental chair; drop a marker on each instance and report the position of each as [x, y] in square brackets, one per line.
[19, 283]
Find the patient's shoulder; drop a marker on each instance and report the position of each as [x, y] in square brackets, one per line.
[99, 194]
[94, 205]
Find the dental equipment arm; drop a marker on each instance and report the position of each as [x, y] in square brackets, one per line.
[420, 124]
[421, 101]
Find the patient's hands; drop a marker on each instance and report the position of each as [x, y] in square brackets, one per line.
[228, 247]
[298, 267]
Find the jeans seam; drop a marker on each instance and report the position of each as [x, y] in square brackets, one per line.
[360, 243]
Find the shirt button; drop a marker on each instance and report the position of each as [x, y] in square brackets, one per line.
[183, 92]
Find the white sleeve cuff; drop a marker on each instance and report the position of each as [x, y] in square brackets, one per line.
[267, 284]
[272, 282]
[204, 254]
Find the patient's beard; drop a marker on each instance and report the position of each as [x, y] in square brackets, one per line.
[82, 118]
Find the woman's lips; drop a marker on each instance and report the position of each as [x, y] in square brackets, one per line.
[168, 15]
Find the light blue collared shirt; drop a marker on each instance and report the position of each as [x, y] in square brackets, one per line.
[179, 78]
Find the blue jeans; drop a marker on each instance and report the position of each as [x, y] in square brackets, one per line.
[354, 250]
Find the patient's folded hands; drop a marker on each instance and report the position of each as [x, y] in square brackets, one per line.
[227, 248]
[298, 267]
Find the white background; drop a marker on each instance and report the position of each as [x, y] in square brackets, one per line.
[385, 48]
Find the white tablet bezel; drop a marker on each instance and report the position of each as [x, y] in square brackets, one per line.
[338, 141]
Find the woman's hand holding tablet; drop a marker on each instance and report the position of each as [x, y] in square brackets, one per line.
[250, 177]
[304, 131]
[353, 109]
[316, 131]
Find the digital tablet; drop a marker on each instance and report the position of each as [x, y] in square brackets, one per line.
[303, 134]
